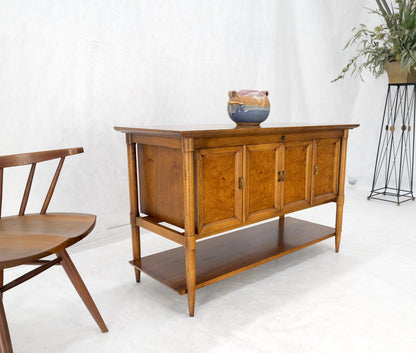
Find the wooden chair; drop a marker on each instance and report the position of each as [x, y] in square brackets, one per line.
[28, 239]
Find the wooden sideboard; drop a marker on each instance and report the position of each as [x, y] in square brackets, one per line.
[195, 183]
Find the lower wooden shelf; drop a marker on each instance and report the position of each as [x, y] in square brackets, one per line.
[223, 256]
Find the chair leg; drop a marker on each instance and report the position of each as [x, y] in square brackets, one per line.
[1, 281]
[5, 341]
[82, 290]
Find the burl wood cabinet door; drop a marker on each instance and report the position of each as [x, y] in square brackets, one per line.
[325, 169]
[296, 175]
[219, 188]
[261, 187]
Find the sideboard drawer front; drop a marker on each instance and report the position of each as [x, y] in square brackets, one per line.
[253, 138]
[219, 175]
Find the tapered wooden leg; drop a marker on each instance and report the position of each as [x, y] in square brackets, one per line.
[135, 240]
[341, 185]
[189, 213]
[338, 225]
[5, 341]
[190, 273]
[134, 201]
[82, 290]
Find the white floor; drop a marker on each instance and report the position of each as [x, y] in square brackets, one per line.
[360, 300]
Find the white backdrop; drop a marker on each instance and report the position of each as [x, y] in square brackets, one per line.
[70, 70]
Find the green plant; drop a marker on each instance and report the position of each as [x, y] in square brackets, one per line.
[393, 40]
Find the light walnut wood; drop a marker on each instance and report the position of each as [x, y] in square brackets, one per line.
[1, 189]
[326, 169]
[24, 239]
[36, 157]
[134, 203]
[5, 341]
[203, 131]
[233, 177]
[263, 162]
[257, 139]
[52, 187]
[219, 194]
[27, 190]
[154, 226]
[297, 158]
[82, 290]
[190, 239]
[341, 197]
[27, 238]
[46, 264]
[161, 183]
[250, 247]
[175, 143]
[190, 245]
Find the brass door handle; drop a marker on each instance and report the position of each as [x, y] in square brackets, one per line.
[281, 176]
[315, 171]
[240, 183]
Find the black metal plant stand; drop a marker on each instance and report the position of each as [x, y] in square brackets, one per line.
[393, 171]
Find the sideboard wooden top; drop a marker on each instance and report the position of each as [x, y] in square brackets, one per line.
[229, 130]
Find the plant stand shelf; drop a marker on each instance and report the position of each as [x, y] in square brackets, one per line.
[224, 256]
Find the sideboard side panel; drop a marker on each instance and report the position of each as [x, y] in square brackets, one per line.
[161, 183]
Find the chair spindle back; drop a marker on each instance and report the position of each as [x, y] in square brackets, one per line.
[1, 188]
[33, 158]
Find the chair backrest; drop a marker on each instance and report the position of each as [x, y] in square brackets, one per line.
[33, 158]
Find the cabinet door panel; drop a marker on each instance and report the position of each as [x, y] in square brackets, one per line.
[219, 195]
[262, 190]
[326, 169]
[296, 187]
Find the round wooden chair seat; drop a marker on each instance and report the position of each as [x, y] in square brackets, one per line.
[33, 236]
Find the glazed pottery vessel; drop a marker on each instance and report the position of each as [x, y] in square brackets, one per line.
[248, 107]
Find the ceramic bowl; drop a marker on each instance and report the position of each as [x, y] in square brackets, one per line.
[248, 107]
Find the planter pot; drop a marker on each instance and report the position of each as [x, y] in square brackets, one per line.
[397, 76]
[248, 107]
